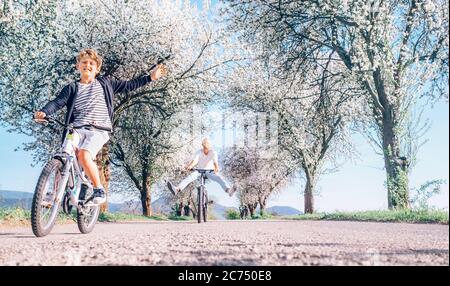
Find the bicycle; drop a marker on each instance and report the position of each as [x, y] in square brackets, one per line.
[202, 195]
[60, 181]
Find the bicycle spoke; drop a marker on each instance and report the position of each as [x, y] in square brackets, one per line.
[48, 202]
[44, 207]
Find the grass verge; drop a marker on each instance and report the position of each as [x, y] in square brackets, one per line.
[21, 217]
[407, 216]
[115, 217]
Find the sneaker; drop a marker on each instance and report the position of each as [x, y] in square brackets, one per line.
[231, 191]
[174, 190]
[99, 196]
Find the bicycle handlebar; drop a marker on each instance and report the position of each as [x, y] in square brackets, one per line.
[48, 119]
[203, 170]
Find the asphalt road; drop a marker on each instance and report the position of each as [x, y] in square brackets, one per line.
[230, 243]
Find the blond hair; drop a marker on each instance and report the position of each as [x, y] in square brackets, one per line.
[93, 55]
[206, 141]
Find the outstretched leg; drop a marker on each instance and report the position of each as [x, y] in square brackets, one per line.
[89, 167]
[183, 184]
[221, 181]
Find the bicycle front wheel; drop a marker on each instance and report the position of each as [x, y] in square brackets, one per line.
[87, 218]
[44, 206]
[205, 206]
[200, 204]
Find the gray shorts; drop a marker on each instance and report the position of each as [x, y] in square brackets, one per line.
[90, 140]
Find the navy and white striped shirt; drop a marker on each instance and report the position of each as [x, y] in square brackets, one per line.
[90, 106]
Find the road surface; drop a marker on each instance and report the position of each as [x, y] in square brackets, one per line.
[230, 243]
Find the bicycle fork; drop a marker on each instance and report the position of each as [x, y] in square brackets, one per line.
[70, 169]
[64, 180]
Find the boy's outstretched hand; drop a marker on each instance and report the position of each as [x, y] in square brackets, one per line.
[158, 72]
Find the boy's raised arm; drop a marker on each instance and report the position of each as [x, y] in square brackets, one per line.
[130, 85]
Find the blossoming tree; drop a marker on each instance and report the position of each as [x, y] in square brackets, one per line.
[396, 51]
[40, 40]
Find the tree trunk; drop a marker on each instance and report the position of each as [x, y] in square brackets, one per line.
[193, 210]
[251, 209]
[180, 209]
[262, 206]
[396, 167]
[103, 166]
[187, 210]
[146, 198]
[308, 196]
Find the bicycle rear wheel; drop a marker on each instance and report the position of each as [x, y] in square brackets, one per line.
[44, 207]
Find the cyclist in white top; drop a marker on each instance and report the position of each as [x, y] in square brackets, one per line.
[205, 158]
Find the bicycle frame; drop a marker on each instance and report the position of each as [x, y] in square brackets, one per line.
[202, 195]
[203, 179]
[203, 176]
[71, 172]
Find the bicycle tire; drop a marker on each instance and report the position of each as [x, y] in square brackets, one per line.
[66, 206]
[199, 204]
[87, 227]
[37, 226]
[205, 207]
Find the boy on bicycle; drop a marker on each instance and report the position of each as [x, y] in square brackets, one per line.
[205, 158]
[89, 103]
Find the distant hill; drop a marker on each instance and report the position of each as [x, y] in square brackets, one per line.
[219, 211]
[160, 206]
[15, 195]
[283, 210]
[24, 199]
[15, 199]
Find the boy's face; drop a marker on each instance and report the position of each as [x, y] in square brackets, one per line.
[87, 67]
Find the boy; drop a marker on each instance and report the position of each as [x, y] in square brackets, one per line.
[89, 105]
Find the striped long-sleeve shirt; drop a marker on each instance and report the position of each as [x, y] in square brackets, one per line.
[90, 106]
